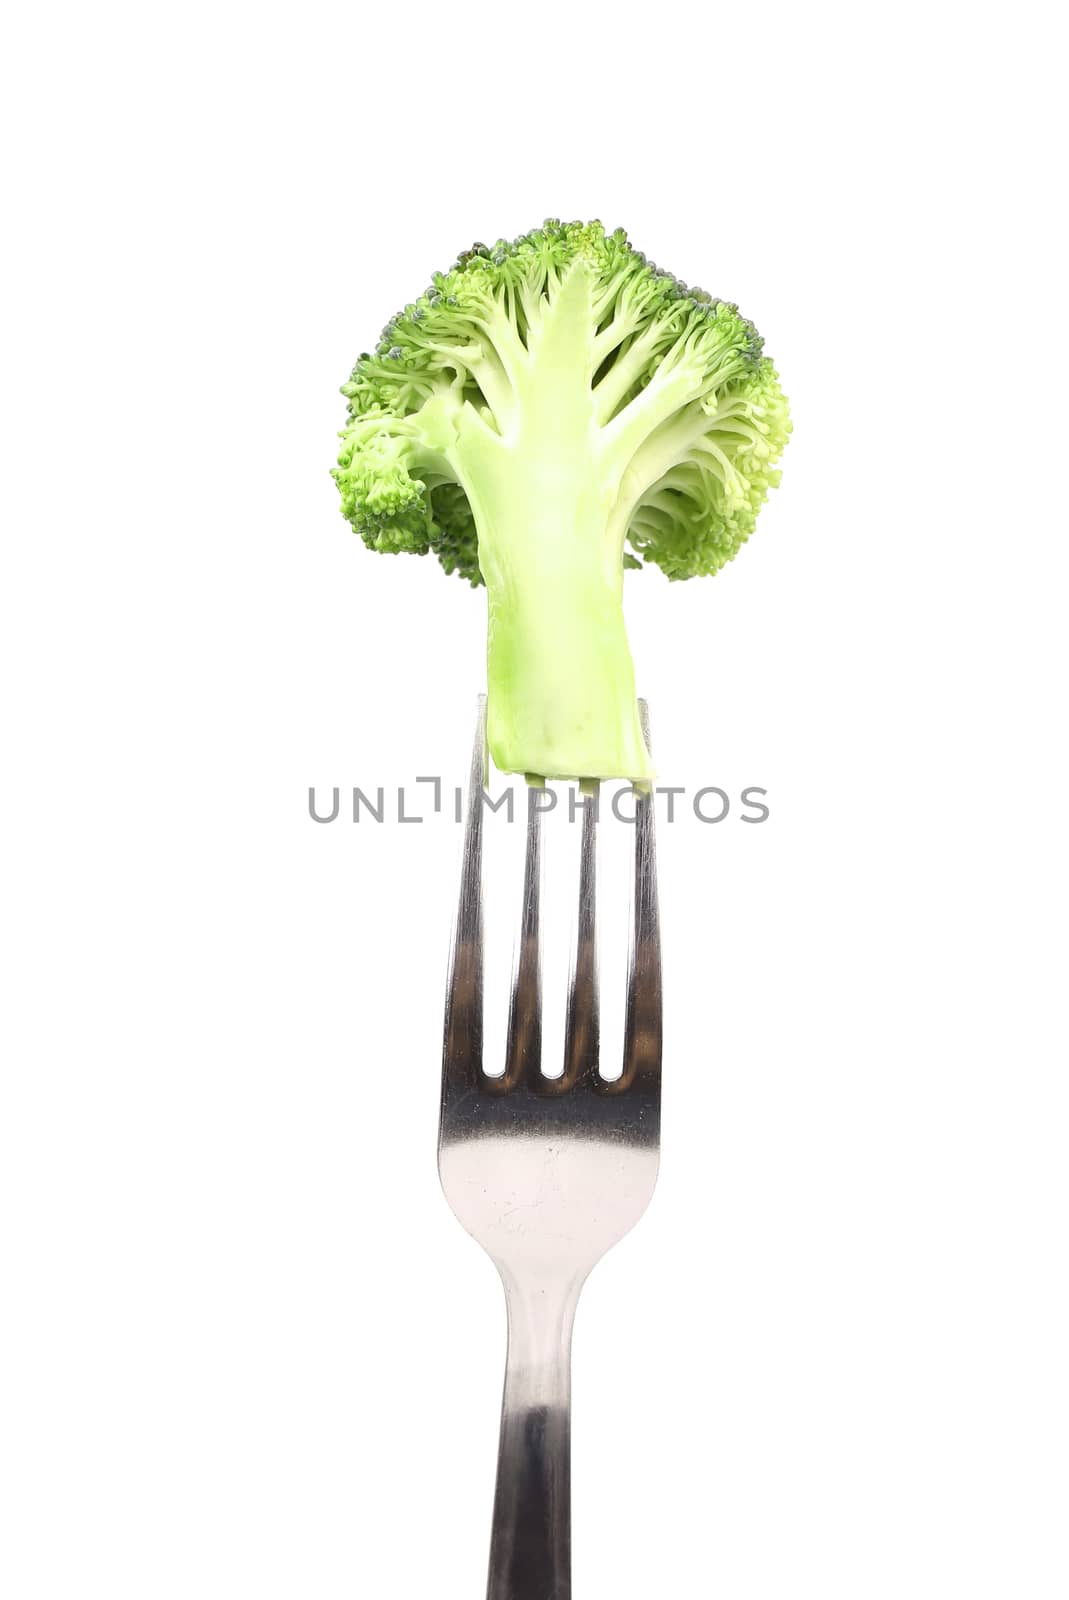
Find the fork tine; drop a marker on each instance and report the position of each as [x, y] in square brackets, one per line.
[642, 1028]
[582, 1030]
[523, 1049]
[462, 1052]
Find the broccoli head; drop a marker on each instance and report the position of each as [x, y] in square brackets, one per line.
[548, 412]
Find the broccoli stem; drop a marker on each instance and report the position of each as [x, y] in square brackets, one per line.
[560, 679]
[561, 682]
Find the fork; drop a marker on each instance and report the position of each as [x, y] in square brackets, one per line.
[546, 1173]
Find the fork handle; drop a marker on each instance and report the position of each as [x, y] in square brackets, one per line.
[531, 1540]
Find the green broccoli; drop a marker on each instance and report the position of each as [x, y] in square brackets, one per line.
[541, 405]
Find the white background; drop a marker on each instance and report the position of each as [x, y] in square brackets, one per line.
[246, 1349]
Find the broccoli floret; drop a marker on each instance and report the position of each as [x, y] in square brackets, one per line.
[544, 404]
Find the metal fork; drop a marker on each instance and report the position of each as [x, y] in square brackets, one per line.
[546, 1173]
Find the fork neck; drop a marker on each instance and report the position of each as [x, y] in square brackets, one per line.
[541, 1316]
